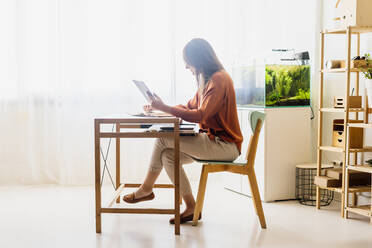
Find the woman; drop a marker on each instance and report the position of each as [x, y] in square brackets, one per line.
[214, 108]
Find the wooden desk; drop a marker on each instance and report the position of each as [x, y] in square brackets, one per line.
[130, 123]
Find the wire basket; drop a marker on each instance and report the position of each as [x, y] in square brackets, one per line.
[306, 189]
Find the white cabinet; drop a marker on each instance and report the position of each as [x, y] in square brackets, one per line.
[285, 141]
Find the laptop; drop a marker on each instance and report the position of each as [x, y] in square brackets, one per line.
[186, 129]
[149, 96]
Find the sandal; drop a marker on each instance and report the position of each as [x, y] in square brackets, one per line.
[185, 219]
[130, 198]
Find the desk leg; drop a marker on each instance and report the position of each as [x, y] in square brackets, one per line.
[97, 175]
[177, 178]
[117, 161]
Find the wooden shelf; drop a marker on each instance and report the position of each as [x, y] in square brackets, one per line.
[363, 168]
[361, 125]
[137, 135]
[341, 110]
[331, 149]
[340, 70]
[362, 210]
[354, 30]
[364, 149]
[362, 188]
[339, 149]
[352, 189]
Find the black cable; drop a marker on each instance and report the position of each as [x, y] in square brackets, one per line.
[312, 113]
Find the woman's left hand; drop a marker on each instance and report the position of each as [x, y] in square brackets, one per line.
[157, 103]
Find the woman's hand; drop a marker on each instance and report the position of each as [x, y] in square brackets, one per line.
[157, 103]
[147, 108]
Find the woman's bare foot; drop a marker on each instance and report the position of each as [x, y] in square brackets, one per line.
[146, 188]
[187, 212]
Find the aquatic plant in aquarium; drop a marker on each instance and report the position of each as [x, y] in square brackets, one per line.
[287, 85]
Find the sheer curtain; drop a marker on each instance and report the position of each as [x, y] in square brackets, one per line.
[64, 62]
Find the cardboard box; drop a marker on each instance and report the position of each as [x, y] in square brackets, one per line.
[354, 12]
[359, 178]
[323, 181]
[335, 173]
[355, 177]
[359, 64]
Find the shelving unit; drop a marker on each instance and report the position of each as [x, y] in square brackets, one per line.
[364, 210]
[344, 151]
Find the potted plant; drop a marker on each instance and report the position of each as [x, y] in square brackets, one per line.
[368, 76]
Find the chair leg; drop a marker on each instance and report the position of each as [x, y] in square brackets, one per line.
[200, 197]
[256, 197]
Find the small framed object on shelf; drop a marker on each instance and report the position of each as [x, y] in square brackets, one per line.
[354, 102]
[338, 134]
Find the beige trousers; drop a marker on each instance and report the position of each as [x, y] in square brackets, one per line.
[191, 147]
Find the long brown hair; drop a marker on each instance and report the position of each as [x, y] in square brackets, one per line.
[199, 54]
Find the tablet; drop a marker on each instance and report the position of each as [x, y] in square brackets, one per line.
[144, 90]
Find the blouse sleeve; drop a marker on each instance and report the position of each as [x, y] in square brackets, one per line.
[191, 104]
[213, 100]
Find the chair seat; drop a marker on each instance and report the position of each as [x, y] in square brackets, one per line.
[237, 161]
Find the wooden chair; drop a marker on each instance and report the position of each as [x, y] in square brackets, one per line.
[244, 168]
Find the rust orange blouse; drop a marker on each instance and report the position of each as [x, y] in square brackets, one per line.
[215, 111]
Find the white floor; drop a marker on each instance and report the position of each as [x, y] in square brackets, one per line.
[53, 216]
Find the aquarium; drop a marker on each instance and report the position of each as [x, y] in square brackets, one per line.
[287, 85]
[249, 82]
[272, 85]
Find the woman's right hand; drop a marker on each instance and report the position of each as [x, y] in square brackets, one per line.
[147, 108]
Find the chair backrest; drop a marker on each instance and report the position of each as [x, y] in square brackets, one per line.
[256, 120]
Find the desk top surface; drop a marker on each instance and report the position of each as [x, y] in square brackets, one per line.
[126, 118]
